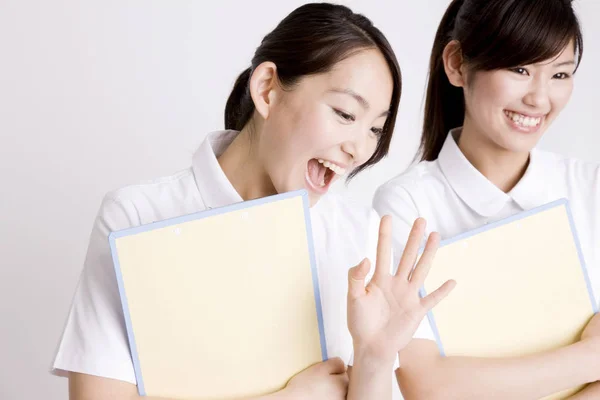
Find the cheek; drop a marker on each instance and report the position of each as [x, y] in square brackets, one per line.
[292, 127]
[493, 91]
[371, 147]
[561, 97]
[316, 128]
[503, 93]
[303, 134]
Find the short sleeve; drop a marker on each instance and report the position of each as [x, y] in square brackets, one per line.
[94, 340]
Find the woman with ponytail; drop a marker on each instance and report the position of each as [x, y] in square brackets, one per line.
[318, 102]
[500, 72]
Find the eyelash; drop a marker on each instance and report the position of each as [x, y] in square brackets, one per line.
[519, 70]
[377, 131]
[351, 118]
[345, 116]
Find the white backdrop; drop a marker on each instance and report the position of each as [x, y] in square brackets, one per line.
[97, 95]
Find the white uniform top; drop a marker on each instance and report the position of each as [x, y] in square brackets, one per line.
[95, 341]
[454, 197]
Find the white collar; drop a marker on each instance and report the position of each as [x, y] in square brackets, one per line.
[214, 187]
[483, 196]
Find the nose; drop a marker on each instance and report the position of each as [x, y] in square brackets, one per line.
[358, 147]
[349, 148]
[538, 95]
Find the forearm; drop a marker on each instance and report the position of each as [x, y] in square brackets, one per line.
[88, 387]
[274, 396]
[281, 395]
[370, 378]
[530, 377]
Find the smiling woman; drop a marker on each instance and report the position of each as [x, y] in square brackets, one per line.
[500, 73]
[319, 101]
[337, 114]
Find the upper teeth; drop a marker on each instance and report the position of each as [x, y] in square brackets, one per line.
[337, 169]
[523, 120]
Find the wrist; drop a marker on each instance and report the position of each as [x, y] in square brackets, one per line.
[371, 358]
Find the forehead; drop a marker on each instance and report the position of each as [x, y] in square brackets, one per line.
[365, 72]
[567, 54]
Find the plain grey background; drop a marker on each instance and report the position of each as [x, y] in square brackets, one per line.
[97, 95]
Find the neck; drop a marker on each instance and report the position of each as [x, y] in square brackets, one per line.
[242, 166]
[502, 167]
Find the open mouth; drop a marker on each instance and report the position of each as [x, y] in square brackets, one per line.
[524, 122]
[321, 173]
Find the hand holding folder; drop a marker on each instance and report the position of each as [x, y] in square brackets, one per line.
[207, 322]
[223, 303]
[524, 288]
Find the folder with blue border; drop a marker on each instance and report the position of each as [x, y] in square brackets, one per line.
[223, 303]
[522, 287]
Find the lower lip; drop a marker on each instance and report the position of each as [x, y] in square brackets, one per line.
[320, 190]
[524, 129]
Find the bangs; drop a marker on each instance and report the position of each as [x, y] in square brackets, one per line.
[525, 32]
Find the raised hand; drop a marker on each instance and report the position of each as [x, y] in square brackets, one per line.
[384, 314]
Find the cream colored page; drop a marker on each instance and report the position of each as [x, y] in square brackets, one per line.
[521, 289]
[223, 306]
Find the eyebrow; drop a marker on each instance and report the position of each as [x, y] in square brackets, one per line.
[562, 64]
[361, 100]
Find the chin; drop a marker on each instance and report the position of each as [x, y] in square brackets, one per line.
[313, 197]
[519, 146]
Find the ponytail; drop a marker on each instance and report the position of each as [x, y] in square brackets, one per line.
[444, 103]
[239, 107]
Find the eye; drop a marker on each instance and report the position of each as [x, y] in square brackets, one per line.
[378, 132]
[519, 70]
[562, 75]
[345, 116]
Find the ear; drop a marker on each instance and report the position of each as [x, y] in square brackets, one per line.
[263, 84]
[454, 63]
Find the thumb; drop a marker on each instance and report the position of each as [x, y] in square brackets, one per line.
[356, 278]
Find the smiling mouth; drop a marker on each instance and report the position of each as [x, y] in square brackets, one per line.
[321, 173]
[523, 121]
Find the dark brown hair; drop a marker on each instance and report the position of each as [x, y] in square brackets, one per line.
[312, 40]
[493, 34]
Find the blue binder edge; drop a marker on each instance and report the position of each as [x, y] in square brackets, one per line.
[561, 202]
[113, 236]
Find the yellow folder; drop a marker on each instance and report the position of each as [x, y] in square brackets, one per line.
[223, 303]
[522, 287]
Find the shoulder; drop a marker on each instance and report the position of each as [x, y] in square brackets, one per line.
[400, 195]
[577, 173]
[150, 200]
[154, 190]
[422, 176]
